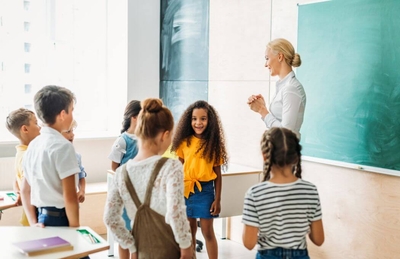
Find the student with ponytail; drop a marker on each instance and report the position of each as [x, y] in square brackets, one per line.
[124, 148]
[150, 187]
[280, 211]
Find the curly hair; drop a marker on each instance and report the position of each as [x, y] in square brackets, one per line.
[280, 147]
[212, 146]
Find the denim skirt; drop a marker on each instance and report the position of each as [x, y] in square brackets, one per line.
[198, 204]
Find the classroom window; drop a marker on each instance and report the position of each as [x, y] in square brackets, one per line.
[26, 5]
[27, 26]
[28, 88]
[27, 47]
[27, 68]
[70, 50]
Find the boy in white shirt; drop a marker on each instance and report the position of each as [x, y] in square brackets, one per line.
[50, 163]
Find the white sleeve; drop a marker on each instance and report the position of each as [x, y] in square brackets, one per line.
[113, 215]
[65, 160]
[118, 150]
[176, 209]
[250, 215]
[290, 112]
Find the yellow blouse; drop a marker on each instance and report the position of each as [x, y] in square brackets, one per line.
[196, 169]
[170, 154]
[20, 175]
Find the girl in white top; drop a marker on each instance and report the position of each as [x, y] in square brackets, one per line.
[154, 131]
[287, 108]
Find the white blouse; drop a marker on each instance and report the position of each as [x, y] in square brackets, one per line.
[166, 199]
[287, 108]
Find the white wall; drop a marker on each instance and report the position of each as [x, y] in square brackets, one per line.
[143, 49]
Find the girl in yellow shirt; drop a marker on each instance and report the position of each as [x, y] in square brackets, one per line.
[200, 145]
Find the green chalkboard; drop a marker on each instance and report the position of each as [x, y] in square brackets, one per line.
[351, 74]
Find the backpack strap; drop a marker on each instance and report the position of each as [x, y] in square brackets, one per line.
[149, 189]
[153, 177]
[130, 187]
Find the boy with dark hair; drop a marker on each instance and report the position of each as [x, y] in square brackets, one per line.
[23, 124]
[50, 163]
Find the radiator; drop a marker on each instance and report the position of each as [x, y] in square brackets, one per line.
[7, 173]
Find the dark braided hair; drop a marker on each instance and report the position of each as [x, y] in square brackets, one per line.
[132, 110]
[281, 147]
[212, 146]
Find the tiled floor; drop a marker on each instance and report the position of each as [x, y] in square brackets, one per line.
[227, 249]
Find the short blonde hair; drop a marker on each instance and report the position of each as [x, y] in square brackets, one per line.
[286, 48]
[16, 119]
[74, 124]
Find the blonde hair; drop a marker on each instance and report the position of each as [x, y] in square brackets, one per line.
[74, 124]
[16, 119]
[286, 48]
[153, 119]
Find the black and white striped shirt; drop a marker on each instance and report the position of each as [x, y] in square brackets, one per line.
[282, 212]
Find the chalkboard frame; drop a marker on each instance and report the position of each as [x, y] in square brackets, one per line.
[324, 12]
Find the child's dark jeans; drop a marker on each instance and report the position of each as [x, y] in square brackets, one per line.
[52, 217]
[282, 253]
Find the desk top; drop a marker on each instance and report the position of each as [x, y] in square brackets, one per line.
[82, 246]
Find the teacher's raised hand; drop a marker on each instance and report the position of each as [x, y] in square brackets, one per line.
[257, 104]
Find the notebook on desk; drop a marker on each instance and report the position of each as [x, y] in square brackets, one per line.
[43, 246]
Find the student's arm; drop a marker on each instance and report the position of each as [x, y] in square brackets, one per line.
[16, 186]
[71, 200]
[29, 209]
[82, 188]
[317, 235]
[249, 236]
[216, 205]
[114, 165]
[18, 192]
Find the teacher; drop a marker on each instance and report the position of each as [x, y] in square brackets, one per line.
[287, 107]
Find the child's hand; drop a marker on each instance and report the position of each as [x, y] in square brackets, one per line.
[19, 201]
[215, 208]
[81, 196]
[38, 225]
[187, 253]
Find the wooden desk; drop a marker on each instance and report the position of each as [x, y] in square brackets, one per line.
[235, 182]
[82, 247]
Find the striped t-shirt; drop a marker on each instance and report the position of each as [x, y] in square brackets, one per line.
[282, 212]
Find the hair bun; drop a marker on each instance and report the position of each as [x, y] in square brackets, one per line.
[152, 105]
[296, 61]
